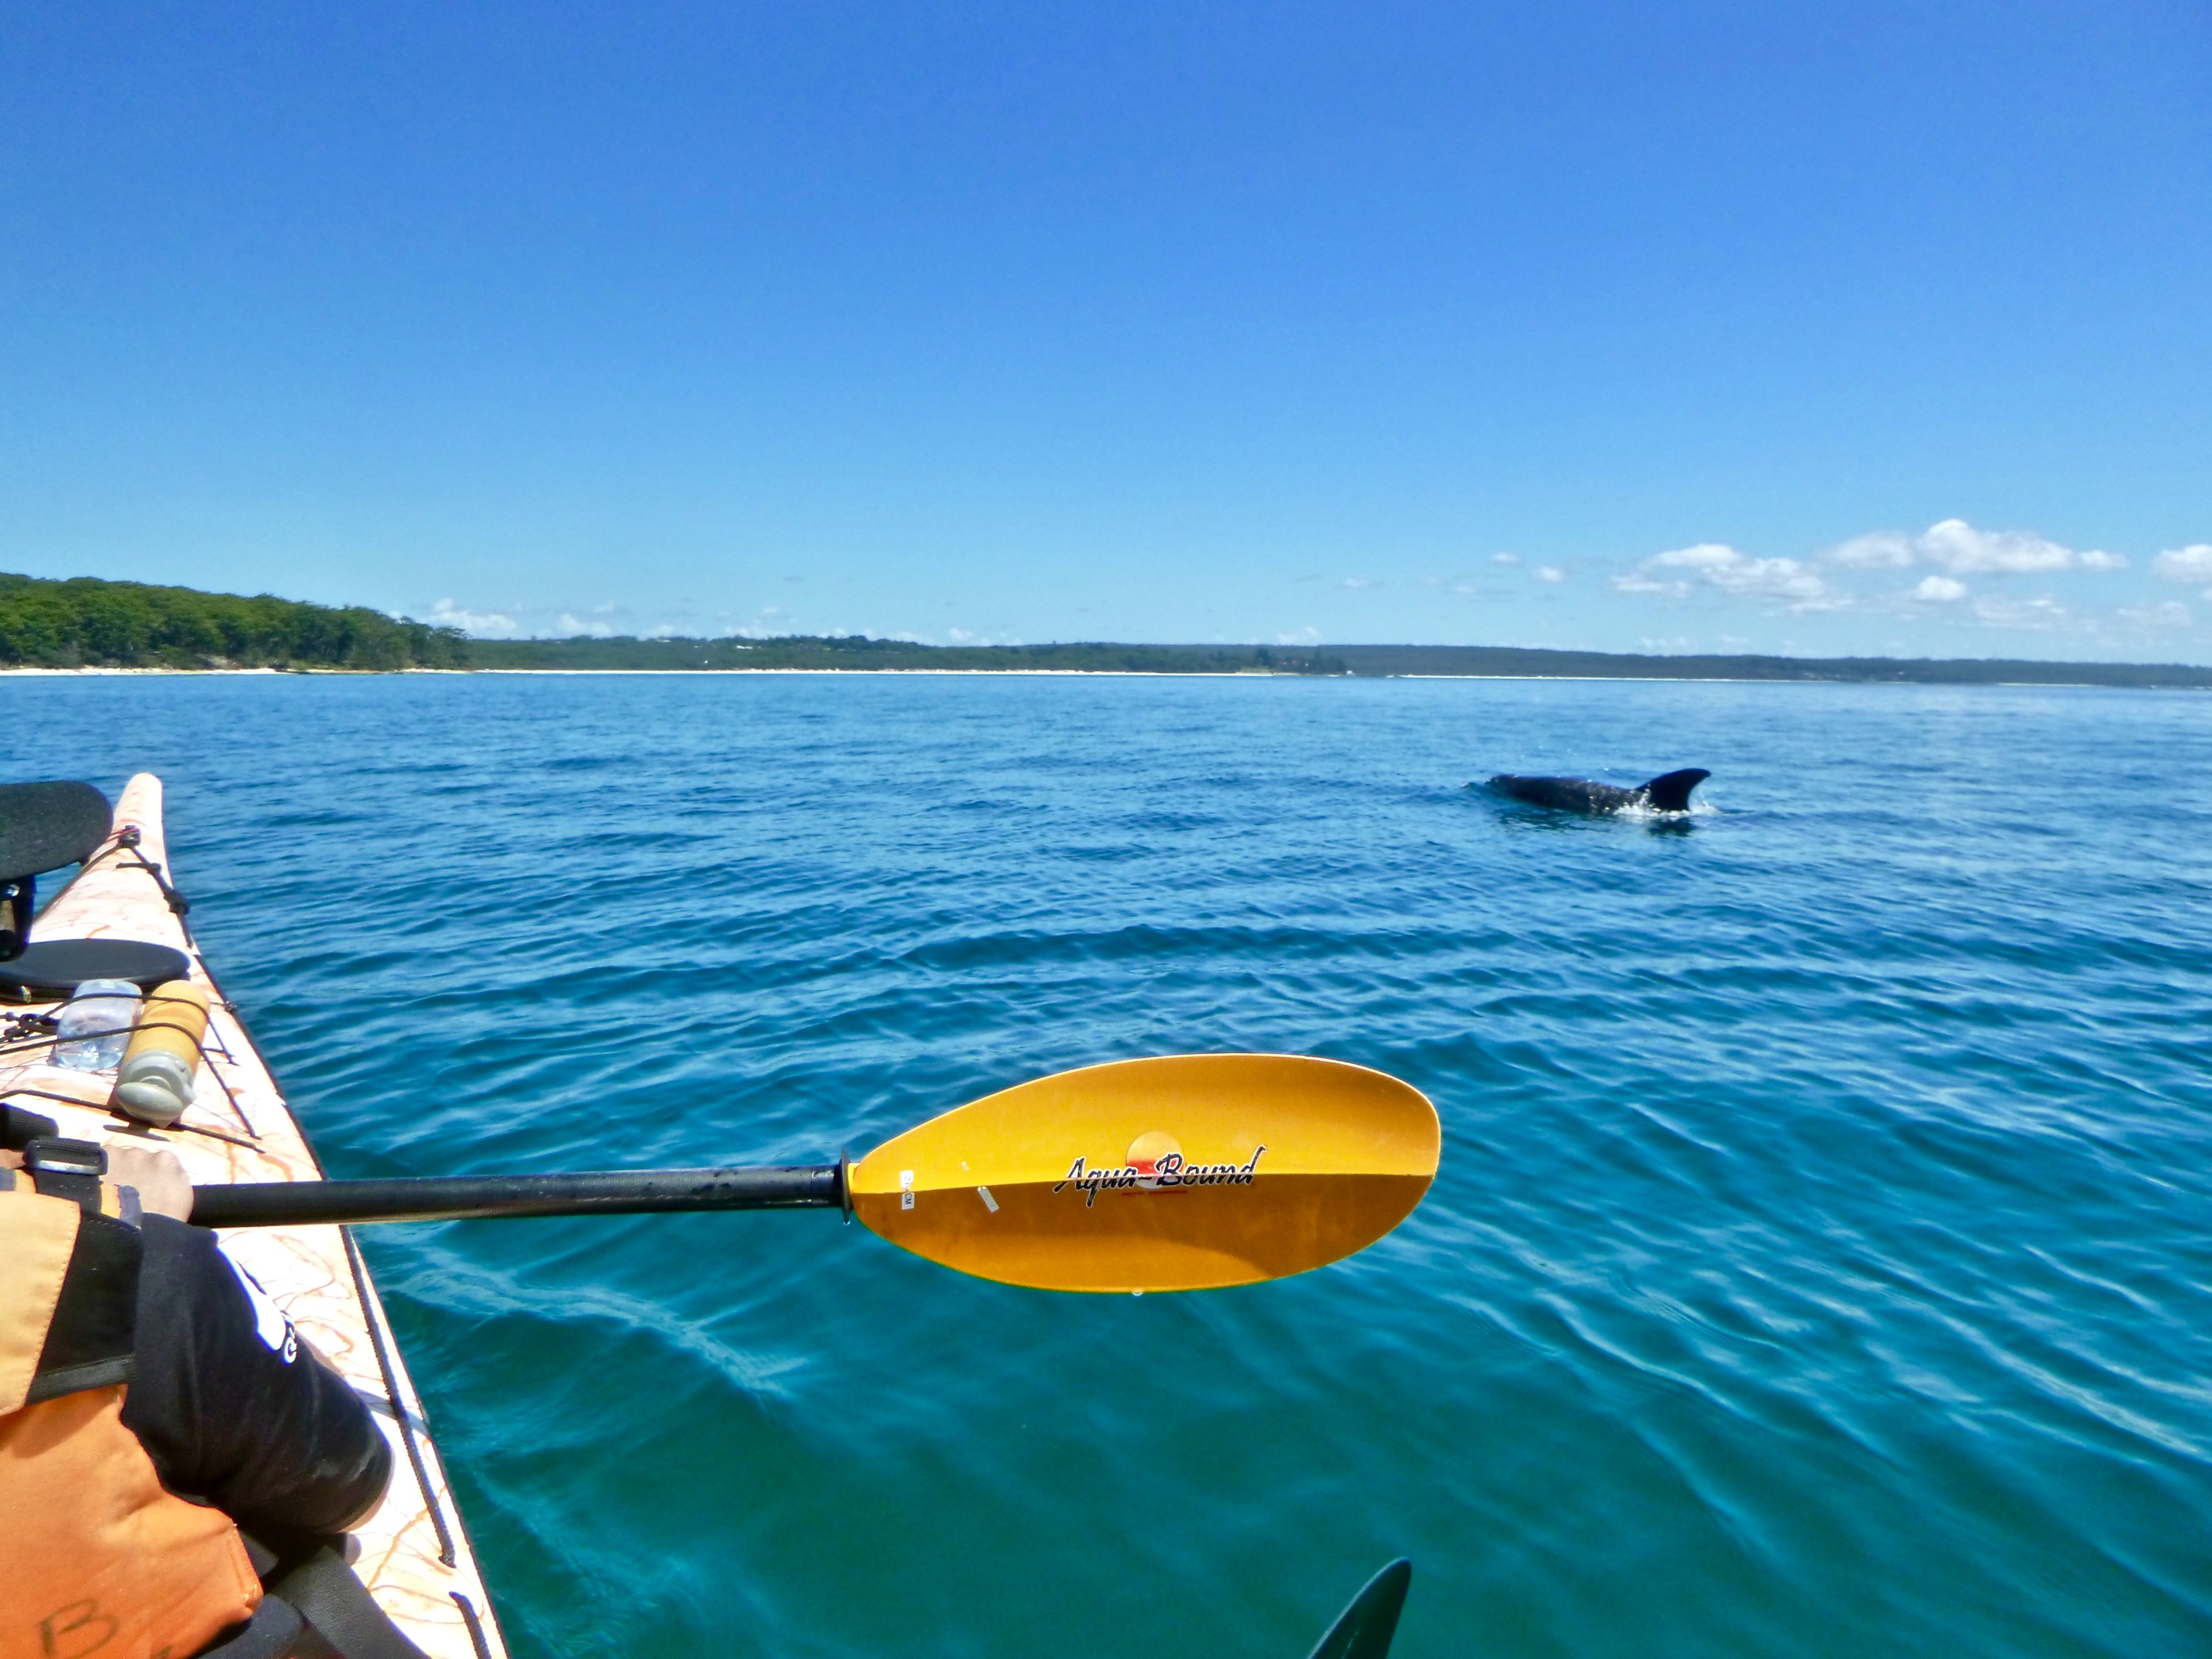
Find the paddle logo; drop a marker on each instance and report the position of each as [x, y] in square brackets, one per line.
[1155, 1163]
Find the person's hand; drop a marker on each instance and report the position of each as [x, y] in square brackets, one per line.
[163, 1187]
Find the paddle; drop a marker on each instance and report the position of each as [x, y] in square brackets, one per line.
[1180, 1173]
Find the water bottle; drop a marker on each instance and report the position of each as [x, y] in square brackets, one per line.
[93, 1028]
[154, 1085]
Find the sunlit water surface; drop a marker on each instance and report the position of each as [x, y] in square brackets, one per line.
[1819, 1266]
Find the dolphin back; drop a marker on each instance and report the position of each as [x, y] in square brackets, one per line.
[1567, 794]
[1671, 792]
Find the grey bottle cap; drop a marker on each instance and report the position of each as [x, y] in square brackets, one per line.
[155, 1088]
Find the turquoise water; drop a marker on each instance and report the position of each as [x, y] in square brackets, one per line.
[1819, 1266]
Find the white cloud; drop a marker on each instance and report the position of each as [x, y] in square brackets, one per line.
[1548, 572]
[484, 624]
[1956, 550]
[2170, 613]
[1888, 550]
[1786, 582]
[2043, 614]
[2192, 563]
[1361, 581]
[1959, 548]
[1956, 546]
[1307, 635]
[603, 621]
[1505, 558]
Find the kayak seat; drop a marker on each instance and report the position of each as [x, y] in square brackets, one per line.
[51, 969]
[44, 826]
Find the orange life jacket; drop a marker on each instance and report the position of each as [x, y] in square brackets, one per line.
[100, 1561]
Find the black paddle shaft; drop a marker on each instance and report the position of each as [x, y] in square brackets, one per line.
[453, 1198]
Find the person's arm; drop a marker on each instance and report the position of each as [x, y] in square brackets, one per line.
[232, 1408]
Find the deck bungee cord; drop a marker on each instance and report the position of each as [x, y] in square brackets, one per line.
[26, 1035]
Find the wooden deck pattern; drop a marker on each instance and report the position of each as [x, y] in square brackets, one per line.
[414, 1556]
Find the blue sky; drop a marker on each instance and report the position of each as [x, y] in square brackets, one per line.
[1771, 326]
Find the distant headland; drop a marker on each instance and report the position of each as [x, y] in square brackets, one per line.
[87, 623]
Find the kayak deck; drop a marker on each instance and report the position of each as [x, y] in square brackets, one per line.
[414, 1555]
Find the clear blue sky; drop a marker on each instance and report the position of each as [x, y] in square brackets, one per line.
[1813, 327]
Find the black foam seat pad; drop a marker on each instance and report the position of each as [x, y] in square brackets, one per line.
[54, 967]
[44, 826]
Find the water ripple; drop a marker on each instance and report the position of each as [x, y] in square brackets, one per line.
[1821, 1263]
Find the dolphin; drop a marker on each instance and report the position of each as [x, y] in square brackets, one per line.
[1670, 792]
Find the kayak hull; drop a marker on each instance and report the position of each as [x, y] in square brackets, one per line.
[414, 1555]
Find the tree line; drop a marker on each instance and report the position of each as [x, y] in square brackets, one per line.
[85, 622]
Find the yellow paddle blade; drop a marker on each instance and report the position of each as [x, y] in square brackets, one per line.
[1175, 1173]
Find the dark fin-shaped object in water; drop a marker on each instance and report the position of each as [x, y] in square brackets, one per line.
[1365, 1629]
[1671, 793]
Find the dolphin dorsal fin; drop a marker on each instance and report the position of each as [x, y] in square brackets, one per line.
[1670, 793]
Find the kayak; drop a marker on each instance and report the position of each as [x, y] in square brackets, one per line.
[414, 1554]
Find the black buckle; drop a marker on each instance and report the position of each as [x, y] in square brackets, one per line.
[65, 1157]
[61, 1168]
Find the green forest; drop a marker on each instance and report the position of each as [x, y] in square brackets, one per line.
[84, 622]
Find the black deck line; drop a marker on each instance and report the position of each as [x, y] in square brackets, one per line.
[446, 1553]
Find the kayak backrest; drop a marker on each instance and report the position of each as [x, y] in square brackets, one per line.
[44, 826]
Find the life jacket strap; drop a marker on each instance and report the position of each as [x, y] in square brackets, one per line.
[322, 1610]
[88, 1307]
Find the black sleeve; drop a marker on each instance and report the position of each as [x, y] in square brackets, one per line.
[271, 1436]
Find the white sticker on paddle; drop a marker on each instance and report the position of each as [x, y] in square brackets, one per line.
[269, 1324]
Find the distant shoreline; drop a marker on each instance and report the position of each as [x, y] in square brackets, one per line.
[2123, 677]
[856, 653]
[81, 625]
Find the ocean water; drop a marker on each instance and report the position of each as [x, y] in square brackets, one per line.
[1820, 1264]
